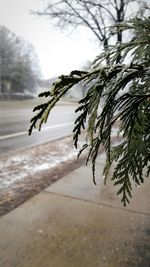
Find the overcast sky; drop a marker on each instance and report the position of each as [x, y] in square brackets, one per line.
[58, 53]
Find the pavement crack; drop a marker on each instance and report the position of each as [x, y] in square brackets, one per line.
[100, 204]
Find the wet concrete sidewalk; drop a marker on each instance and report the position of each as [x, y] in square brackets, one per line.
[74, 223]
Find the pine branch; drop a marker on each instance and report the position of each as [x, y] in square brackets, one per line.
[123, 93]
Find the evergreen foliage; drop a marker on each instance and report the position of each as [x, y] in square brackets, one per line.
[123, 92]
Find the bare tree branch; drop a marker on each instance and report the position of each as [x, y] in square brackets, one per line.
[96, 15]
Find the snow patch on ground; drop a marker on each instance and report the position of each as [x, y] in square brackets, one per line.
[16, 168]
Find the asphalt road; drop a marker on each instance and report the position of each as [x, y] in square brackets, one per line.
[14, 124]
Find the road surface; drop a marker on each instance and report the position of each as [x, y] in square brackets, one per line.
[14, 124]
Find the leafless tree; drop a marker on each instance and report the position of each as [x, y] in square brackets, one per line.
[7, 55]
[18, 63]
[96, 15]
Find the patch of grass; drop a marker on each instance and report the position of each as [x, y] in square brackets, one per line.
[18, 104]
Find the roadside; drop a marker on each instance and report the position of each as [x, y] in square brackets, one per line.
[25, 173]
